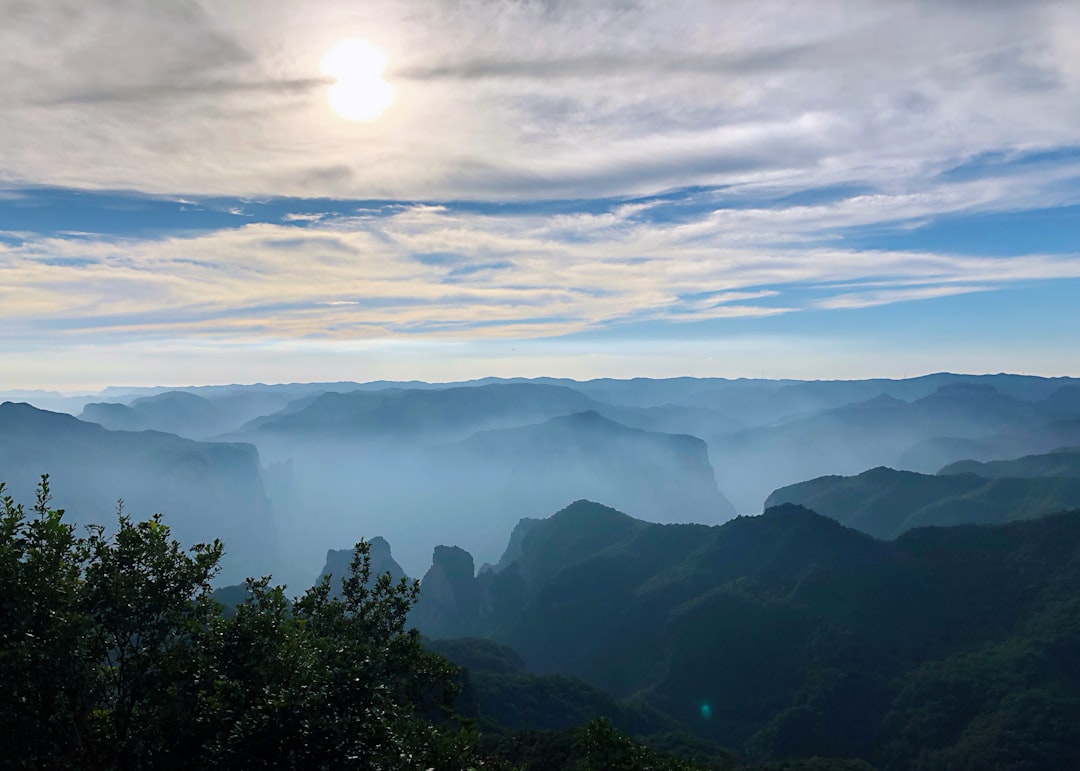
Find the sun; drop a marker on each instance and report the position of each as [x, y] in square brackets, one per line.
[360, 93]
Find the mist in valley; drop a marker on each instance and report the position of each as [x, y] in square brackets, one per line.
[583, 548]
[460, 464]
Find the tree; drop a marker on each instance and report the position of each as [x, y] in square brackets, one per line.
[114, 655]
[148, 601]
[333, 682]
[46, 677]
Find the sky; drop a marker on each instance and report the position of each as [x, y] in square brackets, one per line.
[757, 188]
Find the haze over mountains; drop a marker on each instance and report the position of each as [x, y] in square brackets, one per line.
[1064, 462]
[206, 490]
[886, 503]
[424, 464]
[907, 597]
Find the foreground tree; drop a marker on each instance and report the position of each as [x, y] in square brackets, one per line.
[47, 671]
[332, 682]
[148, 603]
[114, 655]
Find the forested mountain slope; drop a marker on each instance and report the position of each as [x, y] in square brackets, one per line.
[789, 635]
[884, 502]
[1064, 462]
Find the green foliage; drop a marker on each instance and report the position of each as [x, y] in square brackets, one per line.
[479, 655]
[603, 748]
[113, 654]
[333, 682]
[596, 746]
[884, 502]
[1010, 704]
[46, 666]
[147, 601]
[787, 636]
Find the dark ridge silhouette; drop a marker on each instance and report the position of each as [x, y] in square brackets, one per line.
[339, 561]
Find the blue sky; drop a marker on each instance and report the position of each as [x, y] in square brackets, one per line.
[621, 188]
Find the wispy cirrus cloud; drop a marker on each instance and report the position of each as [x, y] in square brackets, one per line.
[438, 271]
[888, 296]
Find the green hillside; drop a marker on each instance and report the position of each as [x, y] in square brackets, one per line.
[788, 635]
[1059, 463]
[884, 502]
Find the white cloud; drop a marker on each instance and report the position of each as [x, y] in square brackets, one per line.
[885, 297]
[500, 276]
[512, 99]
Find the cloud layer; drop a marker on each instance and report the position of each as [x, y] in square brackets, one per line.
[548, 169]
[530, 99]
[440, 271]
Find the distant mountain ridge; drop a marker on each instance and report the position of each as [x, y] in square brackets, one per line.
[1063, 462]
[174, 412]
[204, 490]
[433, 463]
[760, 401]
[884, 502]
[944, 426]
[585, 455]
[341, 457]
[185, 413]
[446, 414]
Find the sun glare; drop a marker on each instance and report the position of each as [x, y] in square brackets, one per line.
[360, 93]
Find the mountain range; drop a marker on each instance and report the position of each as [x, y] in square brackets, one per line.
[907, 598]
[884, 502]
[1063, 462]
[789, 635]
[204, 490]
[428, 462]
[957, 421]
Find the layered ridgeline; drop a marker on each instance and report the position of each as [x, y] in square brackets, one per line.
[401, 414]
[885, 503]
[790, 635]
[498, 690]
[761, 434]
[747, 401]
[424, 466]
[657, 476]
[1061, 463]
[187, 414]
[204, 490]
[960, 420]
[459, 463]
[768, 402]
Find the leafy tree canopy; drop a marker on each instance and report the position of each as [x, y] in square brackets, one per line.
[114, 655]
